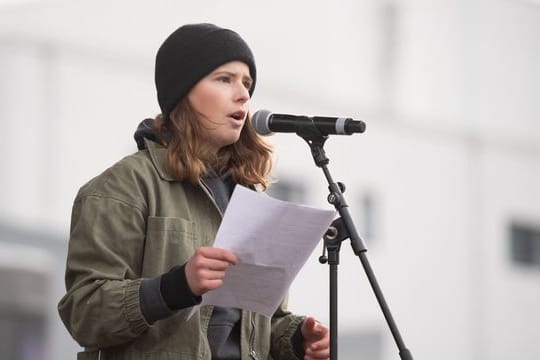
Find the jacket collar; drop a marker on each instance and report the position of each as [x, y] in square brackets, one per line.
[158, 155]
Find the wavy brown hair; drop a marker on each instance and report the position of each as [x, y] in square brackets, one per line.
[189, 157]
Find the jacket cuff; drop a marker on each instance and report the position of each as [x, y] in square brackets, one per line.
[132, 308]
[297, 342]
[175, 290]
[289, 338]
[153, 306]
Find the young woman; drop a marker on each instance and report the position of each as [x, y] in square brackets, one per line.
[140, 250]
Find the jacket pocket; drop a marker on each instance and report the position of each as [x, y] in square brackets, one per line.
[169, 242]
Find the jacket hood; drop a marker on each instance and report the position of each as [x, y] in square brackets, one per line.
[147, 130]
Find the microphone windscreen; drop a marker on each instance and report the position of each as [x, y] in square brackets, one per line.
[261, 121]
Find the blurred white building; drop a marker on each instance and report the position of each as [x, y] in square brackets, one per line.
[444, 184]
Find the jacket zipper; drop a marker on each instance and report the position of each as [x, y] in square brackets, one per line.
[252, 352]
[210, 194]
[205, 321]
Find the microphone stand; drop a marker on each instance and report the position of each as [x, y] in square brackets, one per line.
[343, 228]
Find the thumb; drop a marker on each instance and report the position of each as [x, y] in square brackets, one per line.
[308, 327]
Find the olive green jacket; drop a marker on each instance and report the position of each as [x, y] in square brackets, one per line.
[131, 222]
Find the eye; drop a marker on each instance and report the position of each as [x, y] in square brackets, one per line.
[248, 84]
[224, 79]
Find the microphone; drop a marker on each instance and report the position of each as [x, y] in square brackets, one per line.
[265, 122]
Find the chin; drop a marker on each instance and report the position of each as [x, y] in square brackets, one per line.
[229, 142]
[234, 139]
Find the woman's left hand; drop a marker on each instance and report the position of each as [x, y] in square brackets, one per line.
[316, 340]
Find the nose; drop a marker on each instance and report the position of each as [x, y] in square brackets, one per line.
[241, 93]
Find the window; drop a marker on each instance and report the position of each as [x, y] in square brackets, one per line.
[525, 244]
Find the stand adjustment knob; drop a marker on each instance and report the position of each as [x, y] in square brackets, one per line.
[332, 198]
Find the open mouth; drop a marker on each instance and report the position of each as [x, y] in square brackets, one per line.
[239, 115]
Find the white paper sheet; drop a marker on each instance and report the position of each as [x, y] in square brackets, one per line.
[272, 239]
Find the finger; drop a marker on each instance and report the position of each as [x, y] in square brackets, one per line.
[321, 345]
[319, 352]
[218, 254]
[318, 332]
[316, 357]
[198, 275]
[203, 258]
[199, 285]
[213, 264]
[207, 285]
[323, 342]
[211, 275]
[320, 356]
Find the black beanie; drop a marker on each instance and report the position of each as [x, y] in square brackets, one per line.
[192, 52]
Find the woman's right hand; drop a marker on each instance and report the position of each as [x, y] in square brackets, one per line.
[205, 270]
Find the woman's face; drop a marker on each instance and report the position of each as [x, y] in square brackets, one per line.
[221, 100]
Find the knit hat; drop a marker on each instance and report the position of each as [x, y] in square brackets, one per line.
[192, 52]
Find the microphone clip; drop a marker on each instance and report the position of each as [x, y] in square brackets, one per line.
[316, 141]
